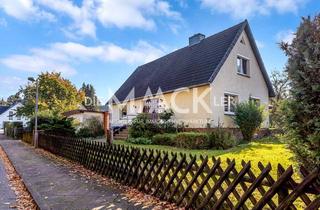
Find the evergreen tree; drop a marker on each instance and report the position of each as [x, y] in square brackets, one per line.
[303, 110]
[3, 102]
[91, 100]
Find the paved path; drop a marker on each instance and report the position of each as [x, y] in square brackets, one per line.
[53, 186]
[7, 196]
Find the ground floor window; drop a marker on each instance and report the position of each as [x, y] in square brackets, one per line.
[230, 102]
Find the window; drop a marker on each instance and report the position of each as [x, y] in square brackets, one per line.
[256, 101]
[123, 111]
[230, 102]
[18, 117]
[242, 65]
[242, 41]
[11, 115]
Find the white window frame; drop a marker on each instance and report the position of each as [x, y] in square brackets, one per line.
[229, 102]
[248, 65]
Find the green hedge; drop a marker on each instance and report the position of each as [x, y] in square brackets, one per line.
[192, 140]
[164, 139]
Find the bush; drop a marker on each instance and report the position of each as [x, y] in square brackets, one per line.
[222, 139]
[166, 125]
[92, 128]
[248, 116]
[140, 140]
[191, 140]
[142, 126]
[164, 139]
[54, 125]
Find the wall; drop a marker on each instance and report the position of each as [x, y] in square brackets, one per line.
[181, 102]
[228, 80]
[82, 117]
[4, 117]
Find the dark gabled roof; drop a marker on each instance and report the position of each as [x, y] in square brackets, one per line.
[3, 109]
[189, 66]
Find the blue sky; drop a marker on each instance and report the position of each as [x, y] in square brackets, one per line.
[102, 41]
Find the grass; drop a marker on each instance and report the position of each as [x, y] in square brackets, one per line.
[265, 150]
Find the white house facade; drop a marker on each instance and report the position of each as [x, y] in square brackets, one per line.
[9, 114]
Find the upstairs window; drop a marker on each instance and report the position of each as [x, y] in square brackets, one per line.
[11, 115]
[242, 66]
[230, 102]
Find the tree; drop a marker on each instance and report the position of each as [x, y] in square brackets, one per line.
[3, 102]
[303, 110]
[14, 99]
[280, 83]
[91, 100]
[56, 96]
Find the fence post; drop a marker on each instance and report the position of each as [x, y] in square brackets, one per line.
[283, 190]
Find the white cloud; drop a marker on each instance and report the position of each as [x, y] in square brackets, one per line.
[61, 57]
[24, 10]
[245, 8]
[110, 13]
[285, 36]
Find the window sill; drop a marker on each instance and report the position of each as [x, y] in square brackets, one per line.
[244, 75]
[229, 113]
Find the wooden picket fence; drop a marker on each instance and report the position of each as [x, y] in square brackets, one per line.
[191, 182]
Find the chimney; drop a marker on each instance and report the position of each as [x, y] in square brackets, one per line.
[196, 39]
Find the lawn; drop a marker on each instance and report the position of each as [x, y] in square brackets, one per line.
[265, 150]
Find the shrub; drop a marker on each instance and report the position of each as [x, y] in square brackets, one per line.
[165, 124]
[164, 139]
[54, 125]
[191, 140]
[142, 126]
[140, 140]
[92, 128]
[222, 139]
[248, 116]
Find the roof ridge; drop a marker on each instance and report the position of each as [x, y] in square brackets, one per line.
[175, 51]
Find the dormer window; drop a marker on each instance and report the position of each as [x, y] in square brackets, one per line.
[242, 66]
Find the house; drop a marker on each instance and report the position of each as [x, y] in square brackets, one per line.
[201, 82]
[9, 114]
[81, 115]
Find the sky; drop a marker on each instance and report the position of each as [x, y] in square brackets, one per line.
[102, 42]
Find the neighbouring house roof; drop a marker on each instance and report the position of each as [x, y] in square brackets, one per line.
[189, 66]
[80, 111]
[3, 109]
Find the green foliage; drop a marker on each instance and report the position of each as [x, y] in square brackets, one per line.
[303, 111]
[140, 140]
[92, 128]
[222, 139]
[248, 116]
[13, 129]
[143, 126]
[56, 96]
[280, 84]
[91, 100]
[164, 139]
[54, 125]
[192, 140]
[166, 125]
